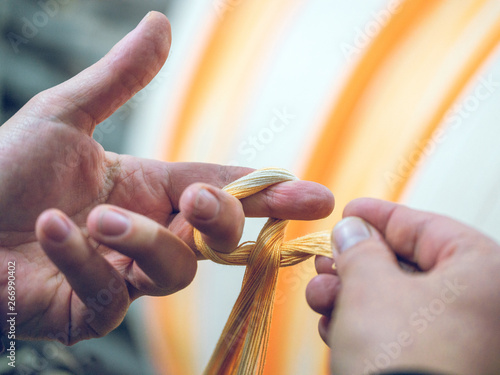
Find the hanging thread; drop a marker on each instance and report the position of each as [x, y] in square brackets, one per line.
[242, 346]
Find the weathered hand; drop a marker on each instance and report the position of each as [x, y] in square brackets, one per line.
[442, 319]
[89, 231]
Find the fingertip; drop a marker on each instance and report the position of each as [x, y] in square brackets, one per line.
[53, 226]
[348, 232]
[159, 25]
[321, 201]
[216, 214]
[328, 199]
[358, 206]
[97, 92]
[310, 200]
[360, 248]
[161, 262]
[61, 240]
[321, 293]
[106, 221]
[198, 203]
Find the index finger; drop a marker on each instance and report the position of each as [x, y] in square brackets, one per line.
[423, 238]
[292, 200]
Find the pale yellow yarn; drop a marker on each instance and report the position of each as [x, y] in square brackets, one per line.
[242, 346]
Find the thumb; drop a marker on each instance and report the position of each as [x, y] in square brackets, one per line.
[97, 92]
[359, 249]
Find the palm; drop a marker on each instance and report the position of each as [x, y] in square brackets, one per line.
[75, 182]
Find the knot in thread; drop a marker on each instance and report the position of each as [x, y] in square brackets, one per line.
[272, 234]
[242, 346]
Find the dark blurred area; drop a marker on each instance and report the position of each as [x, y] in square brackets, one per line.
[43, 43]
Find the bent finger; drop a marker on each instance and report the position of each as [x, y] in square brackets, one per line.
[90, 275]
[163, 263]
[321, 293]
[216, 214]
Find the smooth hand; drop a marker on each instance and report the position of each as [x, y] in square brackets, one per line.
[444, 318]
[89, 231]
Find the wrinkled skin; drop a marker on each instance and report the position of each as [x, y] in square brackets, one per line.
[77, 266]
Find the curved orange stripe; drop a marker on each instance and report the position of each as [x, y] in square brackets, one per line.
[478, 58]
[322, 162]
[332, 140]
[208, 74]
[332, 137]
[249, 21]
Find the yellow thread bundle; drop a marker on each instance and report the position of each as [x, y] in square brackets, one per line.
[242, 346]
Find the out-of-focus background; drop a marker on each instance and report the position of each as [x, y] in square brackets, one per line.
[44, 43]
[386, 98]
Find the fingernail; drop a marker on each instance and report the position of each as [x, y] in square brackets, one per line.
[206, 206]
[350, 231]
[57, 228]
[113, 223]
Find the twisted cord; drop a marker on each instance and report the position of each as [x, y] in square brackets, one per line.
[242, 346]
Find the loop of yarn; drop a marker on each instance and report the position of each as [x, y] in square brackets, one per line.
[242, 346]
